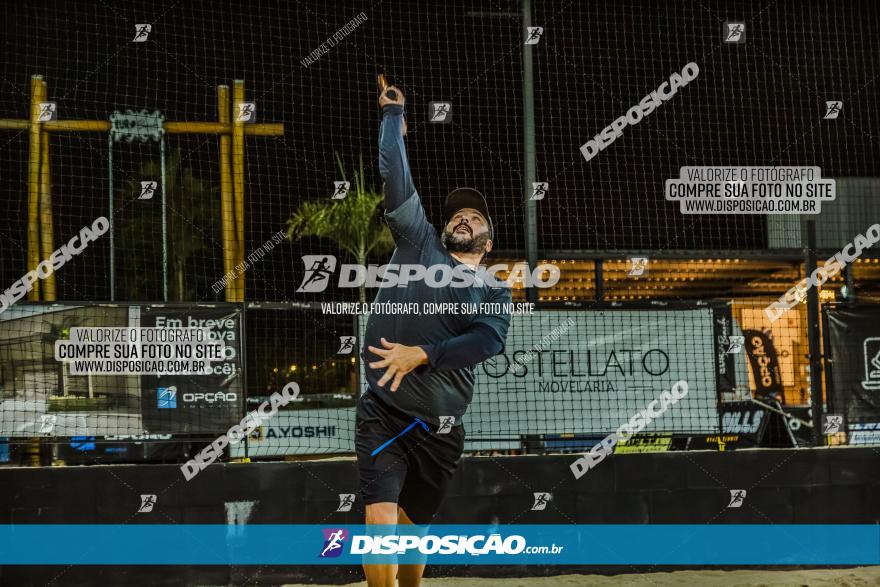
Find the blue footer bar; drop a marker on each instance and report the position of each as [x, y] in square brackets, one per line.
[293, 544]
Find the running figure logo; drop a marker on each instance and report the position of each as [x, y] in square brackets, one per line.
[446, 424]
[541, 501]
[831, 423]
[440, 112]
[539, 190]
[737, 498]
[533, 34]
[340, 190]
[47, 423]
[832, 109]
[319, 268]
[734, 32]
[148, 189]
[147, 503]
[48, 111]
[333, 540]
[346, 345]
[142, 31]
[638, 266]
[735, 344]
[247, 112]
[346, 500]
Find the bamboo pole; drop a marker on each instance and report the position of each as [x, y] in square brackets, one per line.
[33, 228]
[47, 244]
[238, 181]
[226, 196]
[267, 129]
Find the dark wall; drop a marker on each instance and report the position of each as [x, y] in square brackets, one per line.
[833, 486]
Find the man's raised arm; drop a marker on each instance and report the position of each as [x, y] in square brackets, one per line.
[403, 209]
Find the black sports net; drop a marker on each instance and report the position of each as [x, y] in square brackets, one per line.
[211, 226]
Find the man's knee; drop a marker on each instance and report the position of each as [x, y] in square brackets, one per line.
[384, 512]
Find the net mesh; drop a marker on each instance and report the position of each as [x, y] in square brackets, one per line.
[310, 71]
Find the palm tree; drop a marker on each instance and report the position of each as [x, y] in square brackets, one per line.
[353, 223]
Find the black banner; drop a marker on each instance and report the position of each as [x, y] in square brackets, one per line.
[724, 368]
[764, 362]
[854, 336]
[196, 404]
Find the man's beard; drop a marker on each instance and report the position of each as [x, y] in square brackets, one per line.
[463, 243]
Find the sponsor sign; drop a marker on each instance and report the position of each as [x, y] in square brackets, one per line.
[195, 404]
[584, 383]
[854, 340]
[291, 432]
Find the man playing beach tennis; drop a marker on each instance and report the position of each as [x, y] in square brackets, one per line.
[420, 367]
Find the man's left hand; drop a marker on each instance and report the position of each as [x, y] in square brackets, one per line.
[400, 360]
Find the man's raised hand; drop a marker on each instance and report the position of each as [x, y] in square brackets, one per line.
[399, 360]
[384, 100]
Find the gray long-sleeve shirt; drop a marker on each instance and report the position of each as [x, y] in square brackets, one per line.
[454, 342]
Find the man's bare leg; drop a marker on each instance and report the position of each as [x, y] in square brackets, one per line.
[381, 575]
[408, 575]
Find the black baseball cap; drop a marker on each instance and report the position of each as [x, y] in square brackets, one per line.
[467, 198]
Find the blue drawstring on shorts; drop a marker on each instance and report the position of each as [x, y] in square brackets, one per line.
[405, 430]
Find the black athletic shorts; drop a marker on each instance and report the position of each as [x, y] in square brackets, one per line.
[414, 470]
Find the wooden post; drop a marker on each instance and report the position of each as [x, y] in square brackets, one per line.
[227, 211]
[238, 179]
[47, 233]
[33, 229]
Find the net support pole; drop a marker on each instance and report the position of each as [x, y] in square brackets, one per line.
[530, 217]
[110, 218]
[813, 335]
[164, 224]
[34, 153]
[47, 240]
[238, 180]
[226, 197]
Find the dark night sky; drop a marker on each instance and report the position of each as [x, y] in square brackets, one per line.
[759, 103]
